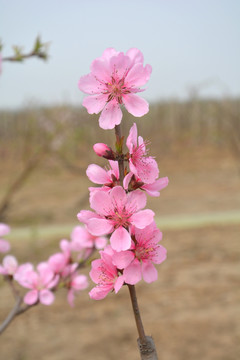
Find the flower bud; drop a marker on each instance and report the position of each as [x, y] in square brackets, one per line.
[104, 151]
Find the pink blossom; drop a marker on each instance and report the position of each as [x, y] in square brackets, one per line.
[114, 80]
[9, 265]
[40, 283]
[4, 244]
[146, 252]
[106, 276]
[144, 167]
[115, 212]
[132, 182]
[104, 150]
[84, 242]
[108, 177]
[57, 262]
[75, 284]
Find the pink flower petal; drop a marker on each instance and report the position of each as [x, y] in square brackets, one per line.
[120, 239]
[118, 283]
[85, 215]
[100, 242]
[136, 200]
[132, 138]
[97, 174]
[138, 75]
[119, 65]
[80, 282]
[133, 273]
[110, 116]
[122, 259]
[46, 297]
[135, 105]
[142, 218]
[90, 85]
[118, 198]
[4, 229]
[95, 103]
[101, 203]
[127, 180]
[99, 227]
[4, 246]
[100, 292]
[160, 255]
[135, 55]
[154, 188]
[101, 70]
[31, 297]
[149, 271]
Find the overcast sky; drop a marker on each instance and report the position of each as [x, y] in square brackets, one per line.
[188, 43]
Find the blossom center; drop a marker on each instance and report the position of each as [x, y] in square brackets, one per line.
[116, 89]
[142, 252]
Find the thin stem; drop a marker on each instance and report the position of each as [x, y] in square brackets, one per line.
[137, 315]
[11, 315]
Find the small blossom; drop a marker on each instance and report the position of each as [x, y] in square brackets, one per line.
[41, 283]
[83, 242]
[141, 165]
[146, 252]
[114, 80]
[106, 276]
[75, 284]
[9, 265]
[115, 212]
[108, 177]
[132, 182]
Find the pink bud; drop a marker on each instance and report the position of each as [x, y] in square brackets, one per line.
[104, 151]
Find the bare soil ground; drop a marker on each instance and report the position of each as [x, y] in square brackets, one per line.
[192, 311]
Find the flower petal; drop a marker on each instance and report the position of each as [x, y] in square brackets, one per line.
[138, 75]
[154, 188]
[122, 259]
[46, 297]
[142, 218]
[135, 55]
[136, 200]
[89, 84]
[101, 203]
[120, 239]
[31, 297]
[118, 284]
[149, 271]
[100, 292]
[133, 273]
[132, 138]
[97, 174]
[160, 255]
[135, 105]
[99, 227]
[4, 246]
[110, 116]
[101, 70]
[95, 103]
[4, 229]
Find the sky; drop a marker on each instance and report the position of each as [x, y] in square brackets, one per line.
[193, 46]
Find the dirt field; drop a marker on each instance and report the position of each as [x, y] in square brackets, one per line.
[192, 311]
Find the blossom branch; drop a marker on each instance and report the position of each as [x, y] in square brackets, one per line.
[39, 51]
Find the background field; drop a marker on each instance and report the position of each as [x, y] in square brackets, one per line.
[192, 311]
